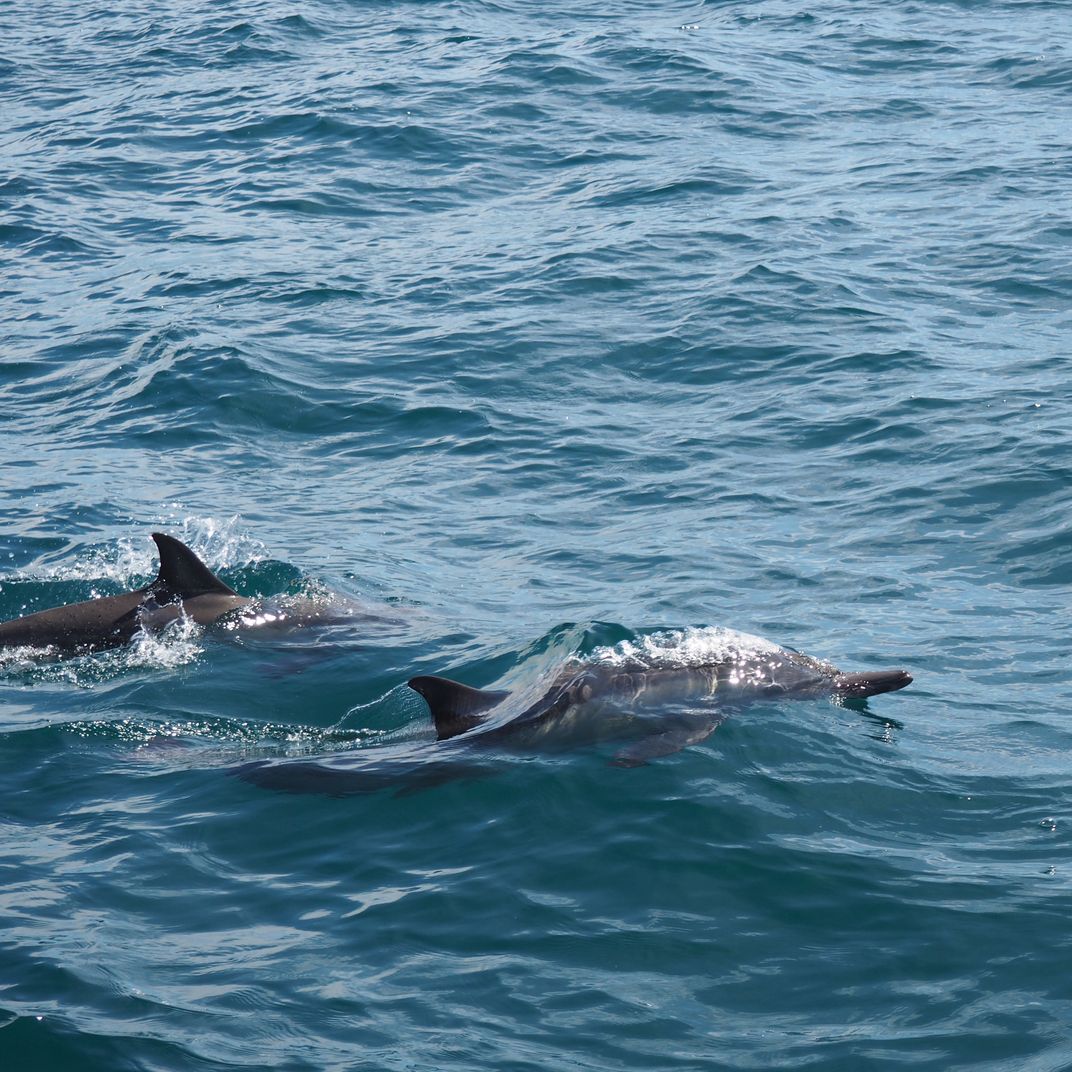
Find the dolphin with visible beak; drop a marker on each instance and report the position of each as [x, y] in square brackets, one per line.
[656, 705]
[602, 701]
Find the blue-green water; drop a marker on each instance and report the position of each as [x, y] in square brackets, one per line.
[531, 329]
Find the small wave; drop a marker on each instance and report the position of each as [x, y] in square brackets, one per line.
[24, 659]
[245, 53]
[723, 184]
[299, 26]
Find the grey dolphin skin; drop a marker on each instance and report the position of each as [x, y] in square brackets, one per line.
[459, 710]
[657, 710]
[184, 587]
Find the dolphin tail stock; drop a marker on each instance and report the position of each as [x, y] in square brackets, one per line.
[182, 573]
[455, 707]
[870, 683]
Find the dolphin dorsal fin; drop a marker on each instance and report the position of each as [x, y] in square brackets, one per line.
[455, 707]
[182, 573]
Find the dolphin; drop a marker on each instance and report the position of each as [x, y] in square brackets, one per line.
[657, 705]
[607, 700]
[184, 587]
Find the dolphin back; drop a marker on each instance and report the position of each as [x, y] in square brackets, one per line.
[93, 624]
[183, 585]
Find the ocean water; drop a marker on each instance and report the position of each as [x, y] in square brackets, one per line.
[526, 333]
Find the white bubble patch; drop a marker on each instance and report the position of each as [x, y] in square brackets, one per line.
[685, 648]
[131, 560]
[176, 645]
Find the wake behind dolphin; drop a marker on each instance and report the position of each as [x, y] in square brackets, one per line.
[658, 696]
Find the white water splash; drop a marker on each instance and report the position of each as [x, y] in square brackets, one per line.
[176, 645]
[684, 648]
[132, 560]
[24, 658]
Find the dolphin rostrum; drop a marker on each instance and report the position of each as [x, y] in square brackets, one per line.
[658, 703]
[184, 587]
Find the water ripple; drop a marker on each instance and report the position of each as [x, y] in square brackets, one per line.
[748, 316]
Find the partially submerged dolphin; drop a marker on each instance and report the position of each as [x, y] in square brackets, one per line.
[658, 705]
[607, 700]
[184, 587]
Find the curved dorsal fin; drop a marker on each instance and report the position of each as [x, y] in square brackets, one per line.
[182, 573]
[455, 707]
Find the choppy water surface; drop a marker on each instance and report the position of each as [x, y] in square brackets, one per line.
[527, 334]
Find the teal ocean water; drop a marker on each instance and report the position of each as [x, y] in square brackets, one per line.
[519, 333]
